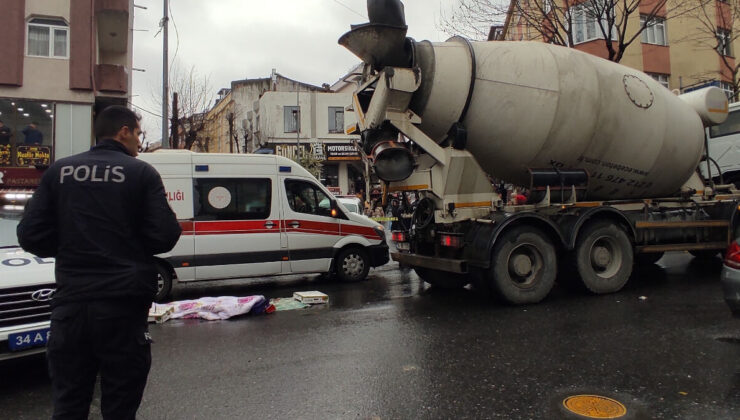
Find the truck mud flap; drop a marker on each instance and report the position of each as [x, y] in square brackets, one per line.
[434, 263]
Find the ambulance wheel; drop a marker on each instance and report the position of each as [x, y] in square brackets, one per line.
[352, 264]
[523, 266]
[442, 279]
[164, 283]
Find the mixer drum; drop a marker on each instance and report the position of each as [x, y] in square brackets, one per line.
[535, 105]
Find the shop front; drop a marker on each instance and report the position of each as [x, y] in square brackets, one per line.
[342, 167]
[26, 133]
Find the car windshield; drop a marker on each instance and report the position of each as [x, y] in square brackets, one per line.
[350, 206]
[8, 221]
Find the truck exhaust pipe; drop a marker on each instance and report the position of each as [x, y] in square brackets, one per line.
[381, 42]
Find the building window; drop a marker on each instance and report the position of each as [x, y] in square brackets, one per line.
[728, 89]
[586, 20]
[654, 32]
[48, 38]
[724, 42]
[292, 116]
[661, 78]
[26, 132]
[336, 119]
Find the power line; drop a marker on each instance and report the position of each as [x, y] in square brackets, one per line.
[177, 36]
[144, 109]
[350, 9]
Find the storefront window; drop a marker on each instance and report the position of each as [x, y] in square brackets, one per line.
[330, 175]
[26, 132]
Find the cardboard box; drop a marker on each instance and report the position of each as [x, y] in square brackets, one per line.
[311, 297]
[160, 313]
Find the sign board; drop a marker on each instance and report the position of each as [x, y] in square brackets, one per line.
[318, 151]
[290, 151]
[20, 177]
[33, 155]
[4, 155]
[341, 151]
[321, 151]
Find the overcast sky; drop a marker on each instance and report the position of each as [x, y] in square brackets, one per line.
[239, 39]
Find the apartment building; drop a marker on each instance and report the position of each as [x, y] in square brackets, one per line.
[288, 123]
[238, 102]
[278, 115]
[685, 46]
[61, 61]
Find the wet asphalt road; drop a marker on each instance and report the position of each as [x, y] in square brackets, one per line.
[393, 348]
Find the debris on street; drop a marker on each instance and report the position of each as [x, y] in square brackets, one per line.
[214, 308]
[312, 297]
[287, 304]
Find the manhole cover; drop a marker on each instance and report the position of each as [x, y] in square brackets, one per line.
[595, 406]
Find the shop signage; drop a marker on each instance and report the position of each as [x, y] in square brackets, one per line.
[318, 151]
[321, 151]
[33, 155]
[4, 155]
[290, 150]
[341, 151]
[20, 177]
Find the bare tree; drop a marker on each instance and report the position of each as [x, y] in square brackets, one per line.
[194, 93]
[561, 22]
[714, 30]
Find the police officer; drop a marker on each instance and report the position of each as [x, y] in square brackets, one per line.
[103, 214]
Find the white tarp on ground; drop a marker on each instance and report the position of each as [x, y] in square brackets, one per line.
[215, 308]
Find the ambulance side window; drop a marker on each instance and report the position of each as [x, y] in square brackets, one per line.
[305, 197]
[232, 198]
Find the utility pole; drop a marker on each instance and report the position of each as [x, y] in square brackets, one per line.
[165, 77]
[175, 120]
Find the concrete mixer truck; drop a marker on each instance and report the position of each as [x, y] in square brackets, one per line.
[608, 154]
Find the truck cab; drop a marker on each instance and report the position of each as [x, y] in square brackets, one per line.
[724, 149]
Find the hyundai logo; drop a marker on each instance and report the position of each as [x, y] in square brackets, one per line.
[42, 295]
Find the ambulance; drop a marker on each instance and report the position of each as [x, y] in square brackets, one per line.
[252, 216]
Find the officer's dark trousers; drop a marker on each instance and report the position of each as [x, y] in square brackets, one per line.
[106, 337]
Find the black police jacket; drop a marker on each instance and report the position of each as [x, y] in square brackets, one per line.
[103, 214]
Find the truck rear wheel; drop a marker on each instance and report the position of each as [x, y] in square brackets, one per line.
[442, 279]
[604, 257]
[524, 266]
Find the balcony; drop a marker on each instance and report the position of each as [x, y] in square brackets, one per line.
[111, 78]
[113, 24]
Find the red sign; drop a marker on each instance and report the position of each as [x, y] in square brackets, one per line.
[20, 177]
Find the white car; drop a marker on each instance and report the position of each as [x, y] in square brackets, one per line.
[26, 286]
[352, 204]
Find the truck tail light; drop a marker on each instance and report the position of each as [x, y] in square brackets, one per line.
[732, 256]
[398, 237]
[452, 241]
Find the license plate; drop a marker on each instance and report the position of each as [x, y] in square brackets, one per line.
[405, 246]
[28, 339]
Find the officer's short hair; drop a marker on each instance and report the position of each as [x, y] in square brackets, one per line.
[112, 119]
